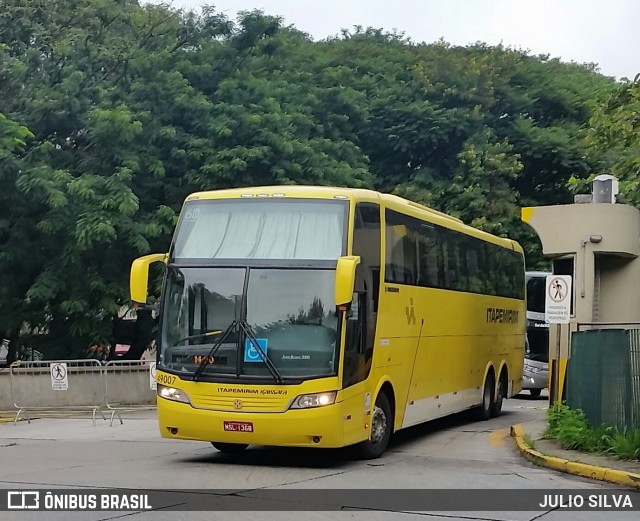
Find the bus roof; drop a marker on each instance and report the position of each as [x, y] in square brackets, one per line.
[393, 202]
[319, 192]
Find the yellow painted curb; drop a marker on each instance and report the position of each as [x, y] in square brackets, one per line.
[619, 477]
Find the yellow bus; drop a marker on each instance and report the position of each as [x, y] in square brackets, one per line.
[328, 317]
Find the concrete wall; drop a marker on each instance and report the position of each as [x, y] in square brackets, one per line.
[604, 241]
[87, 387]
[562, 228]
[569, 229]
[619, 301]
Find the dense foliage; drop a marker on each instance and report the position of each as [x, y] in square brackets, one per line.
[131, 107]
[571, 429]
[614, 138]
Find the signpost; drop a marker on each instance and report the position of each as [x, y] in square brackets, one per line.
[59, 376]
[557, 310]
[152, 376]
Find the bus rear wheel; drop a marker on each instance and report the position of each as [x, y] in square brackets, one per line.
[380, 434]
[501, 392]
[229, 448]
[483, 412]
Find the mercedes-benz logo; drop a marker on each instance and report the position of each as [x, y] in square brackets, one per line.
[237, 404]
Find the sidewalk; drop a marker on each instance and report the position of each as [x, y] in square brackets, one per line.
[547, 453]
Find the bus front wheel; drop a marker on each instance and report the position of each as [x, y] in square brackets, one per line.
[229, 448]
[381, 426]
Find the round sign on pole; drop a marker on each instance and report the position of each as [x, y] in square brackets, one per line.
[152, 376]
[557, 289]
[59, 376]
[558, 299]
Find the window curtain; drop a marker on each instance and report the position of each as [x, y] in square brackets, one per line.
[270, 234]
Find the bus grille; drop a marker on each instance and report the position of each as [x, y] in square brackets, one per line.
[240, 403]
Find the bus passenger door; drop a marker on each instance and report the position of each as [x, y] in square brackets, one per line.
[355, 370]
[355, 331]
[360, 327]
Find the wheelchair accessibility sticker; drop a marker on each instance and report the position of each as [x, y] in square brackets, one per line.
[251, 353]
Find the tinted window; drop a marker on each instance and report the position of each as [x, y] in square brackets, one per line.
[538, 341]
[428, 255]
[366, 244]
[536, 287]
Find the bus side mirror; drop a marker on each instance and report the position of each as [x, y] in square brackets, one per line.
[345, 279]
[139, 279]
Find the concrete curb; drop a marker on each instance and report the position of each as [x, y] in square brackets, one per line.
[619, 477]
[7, 416]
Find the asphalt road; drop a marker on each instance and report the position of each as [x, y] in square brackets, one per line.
[453, 454]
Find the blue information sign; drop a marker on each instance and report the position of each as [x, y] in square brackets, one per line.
[251, 354]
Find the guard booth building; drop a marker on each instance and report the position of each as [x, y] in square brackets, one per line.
[596, 240]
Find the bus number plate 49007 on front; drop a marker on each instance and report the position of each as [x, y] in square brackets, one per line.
[238, 426]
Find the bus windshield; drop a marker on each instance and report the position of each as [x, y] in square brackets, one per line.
[289, 311]
[283, 229]
[537, 328]
[537, 341]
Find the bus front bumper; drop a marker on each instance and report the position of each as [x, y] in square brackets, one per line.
[313, 427]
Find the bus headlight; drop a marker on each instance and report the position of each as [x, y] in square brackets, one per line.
[171, 393]
[306, 401]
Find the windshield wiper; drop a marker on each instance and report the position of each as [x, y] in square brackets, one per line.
[213, 332]
[246, 328]
[213, 350]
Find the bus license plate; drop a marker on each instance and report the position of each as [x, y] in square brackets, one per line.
[238, 426]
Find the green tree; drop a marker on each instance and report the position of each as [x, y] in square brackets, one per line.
[15, 266]
[475, 131]
[613, 139]
[133, 106]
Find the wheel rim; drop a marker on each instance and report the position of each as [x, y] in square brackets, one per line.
[378, 425]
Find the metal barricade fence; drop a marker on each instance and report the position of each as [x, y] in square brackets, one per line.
[129, 386]
[57, 385]
[604, 373]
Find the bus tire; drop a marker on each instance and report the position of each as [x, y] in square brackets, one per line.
[229, 448]
[501, 393]
[483, 412]
[381, 427]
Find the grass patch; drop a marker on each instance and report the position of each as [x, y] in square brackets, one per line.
[529, 440]
[571, 429]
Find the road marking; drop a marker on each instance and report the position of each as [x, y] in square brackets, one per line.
[498, 438]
